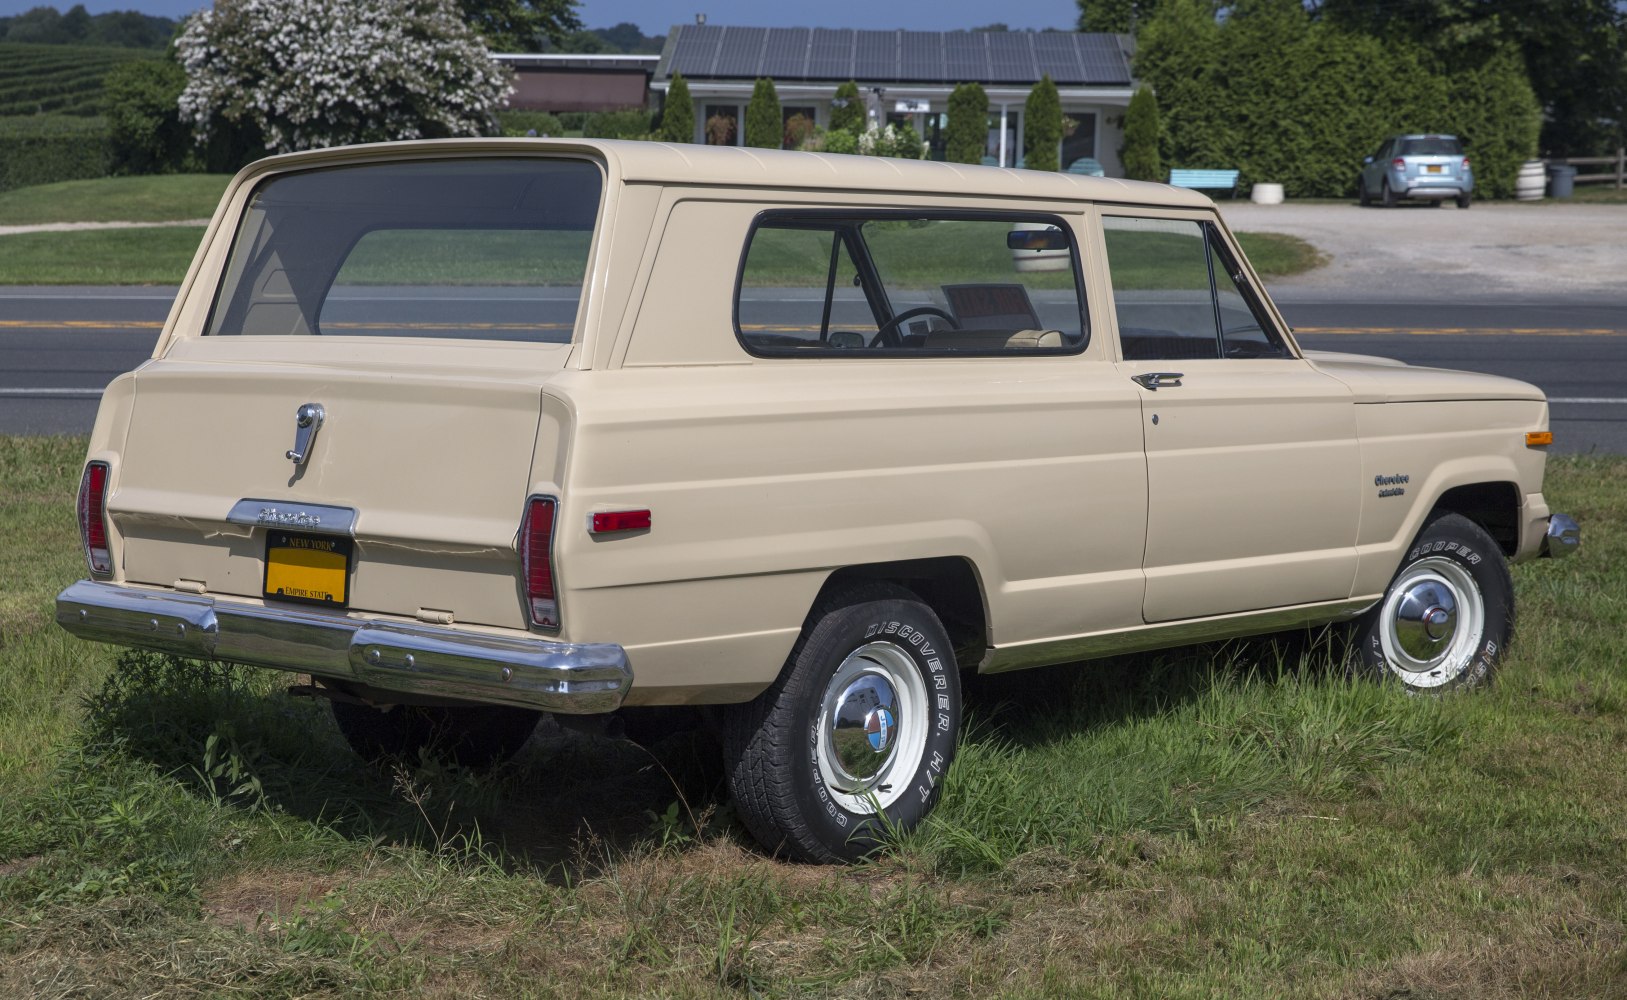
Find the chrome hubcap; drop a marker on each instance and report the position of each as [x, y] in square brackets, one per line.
[1433, 620]
[872, 726]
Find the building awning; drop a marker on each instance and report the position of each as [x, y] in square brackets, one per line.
[718, 52]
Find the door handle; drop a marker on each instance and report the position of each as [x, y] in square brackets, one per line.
[1153, 381]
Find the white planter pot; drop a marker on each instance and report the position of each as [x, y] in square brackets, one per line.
[1528, 186]
[1266, 194]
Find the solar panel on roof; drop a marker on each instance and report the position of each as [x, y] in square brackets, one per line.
[965, 56]
[830, 55]
[1055, 54]
[785, 54]
[876, 57]
[920, 55]
[742, 52]
[1102, 59]
[1011, 59]
[696, 49]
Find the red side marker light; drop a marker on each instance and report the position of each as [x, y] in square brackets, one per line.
[607, 521]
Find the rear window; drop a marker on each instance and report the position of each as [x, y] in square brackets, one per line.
[1430, 147]
[913, 285]
[487, 249]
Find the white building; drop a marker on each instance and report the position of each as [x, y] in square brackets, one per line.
[907, 76]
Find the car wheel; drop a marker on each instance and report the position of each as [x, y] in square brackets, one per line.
[863, 718]
[472, 735]
[1446, 616]
[1361, 192]
[1389, 194]
[1463, 201]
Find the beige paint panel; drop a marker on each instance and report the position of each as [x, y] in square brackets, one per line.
[1252, 477]
[1439, 445]
[781, 468]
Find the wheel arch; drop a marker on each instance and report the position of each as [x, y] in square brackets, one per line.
[1494, 506]
[950, 585]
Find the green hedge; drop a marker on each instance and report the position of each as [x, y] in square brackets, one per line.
[1286, 99]
[57, 79]
[633, 123]
[518, 123]
[43, 149]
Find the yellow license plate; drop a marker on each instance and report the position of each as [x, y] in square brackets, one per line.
[310, 568]
[1433, 169]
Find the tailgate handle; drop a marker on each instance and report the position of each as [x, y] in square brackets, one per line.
[307, 421]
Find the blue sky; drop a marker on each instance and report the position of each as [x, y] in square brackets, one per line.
[655, 17]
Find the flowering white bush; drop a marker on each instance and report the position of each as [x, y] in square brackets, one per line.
[313, 73]
[896, 141]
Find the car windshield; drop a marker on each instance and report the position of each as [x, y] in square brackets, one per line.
[487, 249]
[1432, 146]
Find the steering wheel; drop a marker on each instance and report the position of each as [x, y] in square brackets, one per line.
[888, 336]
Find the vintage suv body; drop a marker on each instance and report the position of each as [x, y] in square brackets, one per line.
[472, 430]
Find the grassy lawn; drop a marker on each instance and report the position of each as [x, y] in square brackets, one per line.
[170, 198]
[153, 256]
[1275, 255]
[1222, 822]
[1602, 194]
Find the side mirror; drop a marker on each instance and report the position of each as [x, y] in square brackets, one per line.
[1367, 159]
[1037, 239]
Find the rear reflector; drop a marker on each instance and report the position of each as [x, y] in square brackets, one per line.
[1536, 439]
[605, 521]
[93, 519]
[537, 561]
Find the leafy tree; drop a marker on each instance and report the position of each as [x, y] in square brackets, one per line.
[1494, 110]
[585, 43]
[678, 118]
[144, 118]
[1042, 126]
[624, 37]
[847, 109]
[967, 134]
[315, 73]
[763, 124]
[1117, 16]
[1140, 153]
[521, 25]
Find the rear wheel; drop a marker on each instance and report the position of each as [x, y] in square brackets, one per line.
[854, 737]
[1389, 194]
[1446, 616]
[470, 735]
[1464, 200]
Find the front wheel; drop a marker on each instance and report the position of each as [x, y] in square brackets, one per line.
[854, 737]
[1447, 615]
[1361, 192]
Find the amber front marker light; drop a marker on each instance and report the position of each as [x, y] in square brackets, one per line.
[1536, 439]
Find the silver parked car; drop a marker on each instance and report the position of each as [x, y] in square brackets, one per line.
[1427, 167]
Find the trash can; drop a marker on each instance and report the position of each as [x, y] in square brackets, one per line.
[1561, 180]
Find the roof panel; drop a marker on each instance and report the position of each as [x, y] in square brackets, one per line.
[1055, 54]
[1102, 59]
[965, 56]
[876, 56]
[695, 49]
[1011, 58]
[785, 54]
[830, 55]
[742, 52]
[920, 55]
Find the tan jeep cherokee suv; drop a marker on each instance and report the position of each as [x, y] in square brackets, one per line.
[475, 430]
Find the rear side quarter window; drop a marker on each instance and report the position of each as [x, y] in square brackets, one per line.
[896, 284]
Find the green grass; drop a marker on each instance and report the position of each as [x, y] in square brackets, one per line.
[1601, 194]
[157, 255]
[1275, 255]
[1217, 822]
[166, 198]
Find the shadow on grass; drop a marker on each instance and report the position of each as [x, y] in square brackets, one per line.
[234, 737]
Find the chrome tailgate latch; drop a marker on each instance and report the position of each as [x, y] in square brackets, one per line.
[307, 421]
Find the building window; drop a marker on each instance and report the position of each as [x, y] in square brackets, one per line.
[799, 125]
[722, 125]
[1080, 143]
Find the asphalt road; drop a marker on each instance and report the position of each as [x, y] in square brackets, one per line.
[60, 346]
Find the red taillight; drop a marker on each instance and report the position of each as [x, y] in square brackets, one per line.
[537, 560]
[1398, 163]
[1465, 163]
[93, 518]
[619, 520]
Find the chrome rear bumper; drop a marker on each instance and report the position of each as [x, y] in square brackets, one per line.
[1564, 537]
[456, 663]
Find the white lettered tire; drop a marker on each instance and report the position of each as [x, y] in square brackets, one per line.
[1447, 615]
[864, 716]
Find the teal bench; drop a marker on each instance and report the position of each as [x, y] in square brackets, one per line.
[1208, 180]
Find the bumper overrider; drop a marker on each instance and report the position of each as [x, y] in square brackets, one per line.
[425, 660]
[1564, 537]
